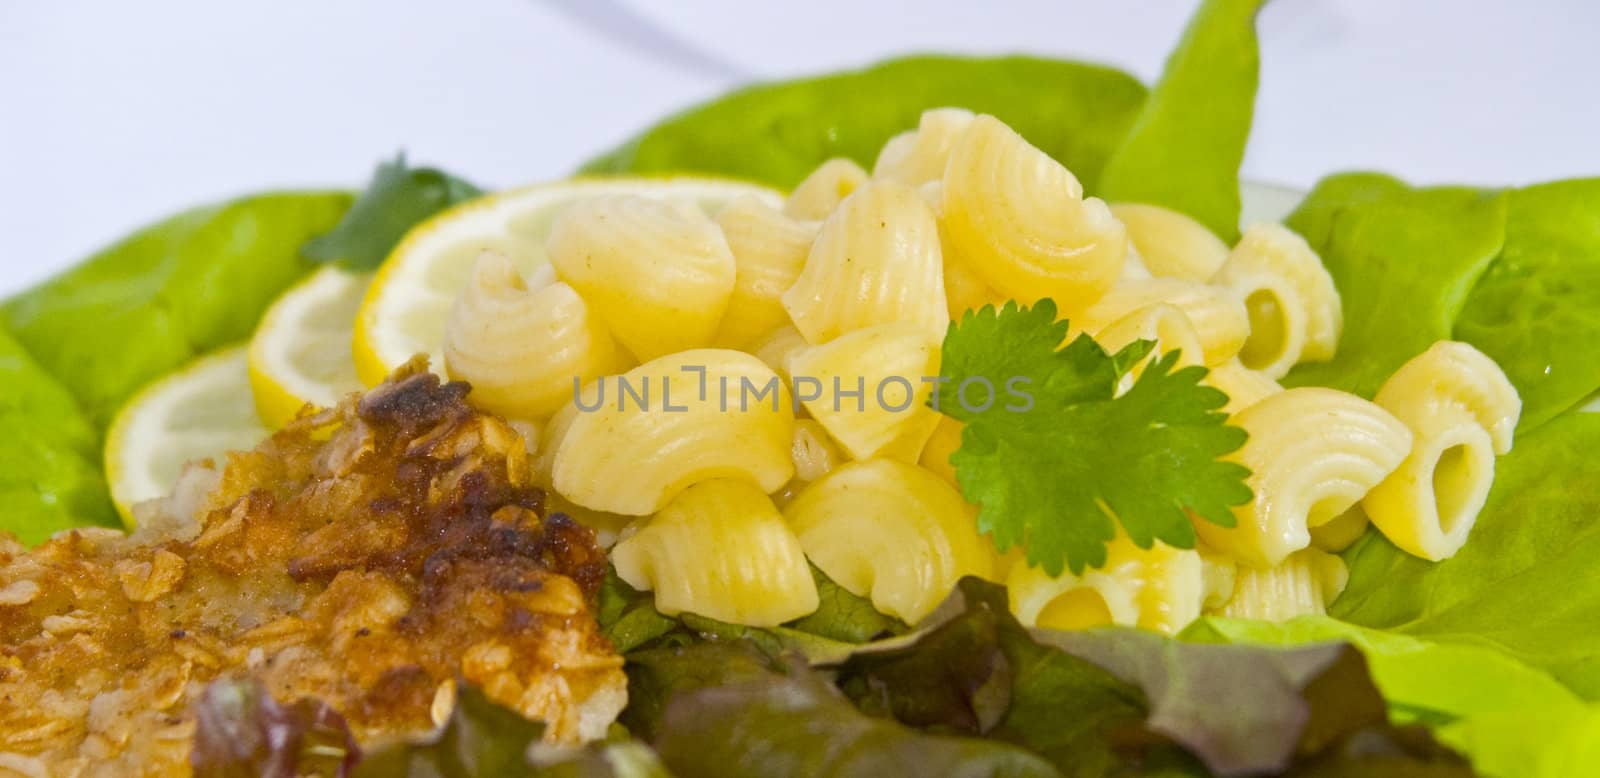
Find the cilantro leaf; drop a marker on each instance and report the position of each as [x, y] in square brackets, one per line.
[395, 200]
[1067, 459]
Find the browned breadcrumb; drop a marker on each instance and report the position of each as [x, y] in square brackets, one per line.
[368, 556]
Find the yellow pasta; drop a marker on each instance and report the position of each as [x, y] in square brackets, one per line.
[1165, 325]
[1313, 453]
[769, 249]
[1218, 317]
[777, 346]
[705, 413]
[1171, 244]
[1341, 531]
[891, 532]
[1462, 411]
[658, 274]
[1244, 387]
[521, 347]
[720, 549]
[822, 191]
[919, 156]
[1021, 220]
[1160, 588]
[867, 389]
[1295, 313]
[936, 453]
[1302, 585]
[876, 261]
[815, 455]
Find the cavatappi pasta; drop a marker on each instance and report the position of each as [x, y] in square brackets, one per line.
[733, 460]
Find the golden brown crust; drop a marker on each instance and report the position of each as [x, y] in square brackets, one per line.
[368, 556]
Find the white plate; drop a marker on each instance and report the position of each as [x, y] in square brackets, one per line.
[1264, 202]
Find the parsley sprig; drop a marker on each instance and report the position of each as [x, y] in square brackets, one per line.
[1057, 474]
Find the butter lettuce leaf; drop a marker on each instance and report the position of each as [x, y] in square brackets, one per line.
[1525, 583]
[1404, 261]
[174, 290]
[778, 133]
[1185, 149]
[1530, 743]
[1537, 311]
[50, 476]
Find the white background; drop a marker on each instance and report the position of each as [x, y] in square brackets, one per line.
[115, 113]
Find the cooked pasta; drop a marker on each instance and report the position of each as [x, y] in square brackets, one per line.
[1295, 313]
[777, 346]
[891, 532]
[918, 156]
[1462, 411]
[769, 249]
[642, 437]
[824, 189]
[944, 441]
[1341, 531]
[1313, 453]
[1022, 220]
[519, 346]
[657, 274]
[1163, 324]
[1171, 244]
[1302, 585]
[1218, 317]
[1160, 588]
[720, 549]
[814, 452]
[1244, 387]
[871, 396]
[876, 261]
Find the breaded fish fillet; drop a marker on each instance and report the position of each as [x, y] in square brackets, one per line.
[368, 556]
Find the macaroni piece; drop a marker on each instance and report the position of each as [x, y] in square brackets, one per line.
[658, 274]
[891, 532]
[519, 345]
[769, 249]
[1313, 453]
[1171, 244]
[916, 157]
[868, 389]
[1462, 411]
[1295, 313]
[720, 549]
[876, 261]
[1021, 219]
[630, 443]
[822, 191]
[1302, 585]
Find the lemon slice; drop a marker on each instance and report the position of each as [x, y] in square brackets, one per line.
[301, 351]
[406, 307]
[200, 411]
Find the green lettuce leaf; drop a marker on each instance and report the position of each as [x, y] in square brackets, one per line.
[395, 200]
[50, 476]
[172, 291]
[1537, 311]
[1530, 743]
[1185, 149]
[1421, 680]
[1404, 261]
[778, 133]
[1525, 582]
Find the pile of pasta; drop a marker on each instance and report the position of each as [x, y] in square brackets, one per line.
[857, 277]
